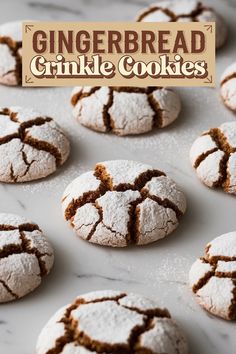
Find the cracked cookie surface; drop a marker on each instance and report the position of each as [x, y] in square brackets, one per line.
[228, 87]
[185, 11]
[125, 110]
[32, 146]
[213, 277]
[11, 53]
[213, 155]
[111, 322]
[26, 257]
[123, 202]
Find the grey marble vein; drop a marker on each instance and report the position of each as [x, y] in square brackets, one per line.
[53, 7]
[105, 277]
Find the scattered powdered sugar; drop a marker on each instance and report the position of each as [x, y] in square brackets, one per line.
[171, 270]
[58, 181]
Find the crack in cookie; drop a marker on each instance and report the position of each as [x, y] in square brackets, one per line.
[91, 323]
[213, 277]
[213, 155]
[31, 146]
[125, 110]
[25, 257]
[123, 202]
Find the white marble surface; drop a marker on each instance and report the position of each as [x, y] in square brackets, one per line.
[159, 270]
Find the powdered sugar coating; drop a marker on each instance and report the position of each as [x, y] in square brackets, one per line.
[157, 340]
[166, 188]
[142, 326]
[89, 110]
[10, 53]
[115, 224]
[213, 155]
[124, 171]
[208, 171]
[161, 223]
[198, 271]
[12, 30]
[32, 146]
[222, 246]
[228, 87]
[123, 202]
[213, 277]
[55, 328]
[226, 267]
[100, 321]
[25, 257]
[185, 11]
[169, 104]
[125, 111]
[231, 168]
[202, 145]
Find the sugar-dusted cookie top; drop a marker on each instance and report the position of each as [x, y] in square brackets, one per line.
[228, 87]
[32, 146]
[11, 53]
[26, 257]
[125, 110]
[213, 155]
[123, 202]
[111, 322]
[213, 277]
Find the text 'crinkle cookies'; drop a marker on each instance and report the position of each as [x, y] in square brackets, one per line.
[32, 146]
[111, 322]
[228, 87]
[213, 155]
[11, 53]
[125, 110]
[26, 257]
[123, 202]
[185, 11]
[213, 277]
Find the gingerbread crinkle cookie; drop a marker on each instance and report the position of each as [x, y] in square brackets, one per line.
[213, 277]
[125, 110]
[111, 322]
[32, 146]
[123, 202]
[213, 155]
[26, 257]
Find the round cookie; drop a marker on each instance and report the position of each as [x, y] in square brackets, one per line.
[228, 87]
[213, 277]
[26, 257]
[123, 202]
[111, 322]
[32, 146]
[11, 53]
[125, 110]
[213, 155]
[185, 11]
